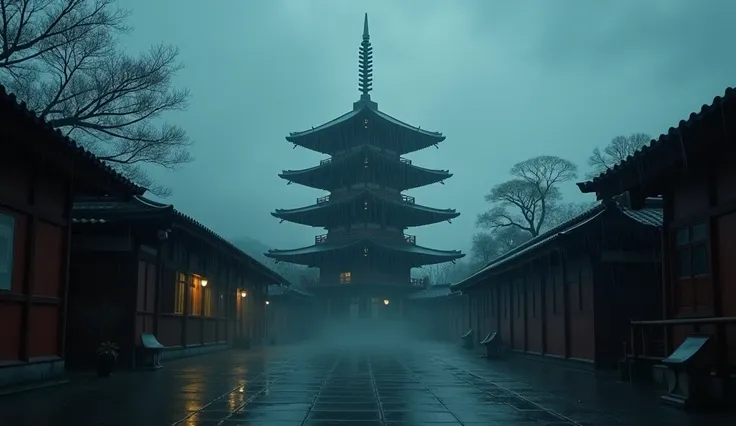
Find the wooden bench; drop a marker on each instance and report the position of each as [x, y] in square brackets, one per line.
[491, 345]
[151, 350]
[688, 371]
[466, 340]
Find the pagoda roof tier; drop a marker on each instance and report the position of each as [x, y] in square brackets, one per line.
[401, 213]
[365, 124]
[405, 253]
[365, 163]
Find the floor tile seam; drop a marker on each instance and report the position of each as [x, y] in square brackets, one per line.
[321, 388]
[254, 396]
[516, 394]
[413, 374]
[204, 407]
[375, 389]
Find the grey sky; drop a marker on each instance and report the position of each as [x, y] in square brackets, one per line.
[503, 80]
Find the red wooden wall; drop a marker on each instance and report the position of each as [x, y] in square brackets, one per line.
[30, 310]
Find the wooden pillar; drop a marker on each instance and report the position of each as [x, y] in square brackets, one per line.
[543, 304]
[512, 311]
[66, 257]
[525, 282]
[187, 290]
[668, 301]
[30, 270]
[157, 299]
[565, 300]
[715, 271]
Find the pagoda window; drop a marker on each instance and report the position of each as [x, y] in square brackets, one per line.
[365, 123]
[345, 277]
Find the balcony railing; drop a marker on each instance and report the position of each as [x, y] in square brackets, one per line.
[417, 282]
[320, 239]
[324, 199]
[411, 239]
[405, 160]
[408, 199]
[325, 161]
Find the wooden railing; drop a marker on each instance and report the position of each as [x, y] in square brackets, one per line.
[408, 199]
[411, 239]
[647, 339]
[320, 239]
[324, 199]
[417, 282]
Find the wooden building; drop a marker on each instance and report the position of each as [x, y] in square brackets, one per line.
[40, 173]
[438, 313]
[570, 292]
[693, 168]
[365, 257]
[290, 315]
[144, 267]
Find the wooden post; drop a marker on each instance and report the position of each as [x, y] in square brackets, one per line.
[543, 304]
[65, 266]
[526, 269]
[565, 300]
[30, 270]
[187, 291]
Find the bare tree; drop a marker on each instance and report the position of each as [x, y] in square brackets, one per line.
[615, 152]
[440, 273]
[485, 247]
[63, 59]
[526, 201]
[566, 211]
[509, 238]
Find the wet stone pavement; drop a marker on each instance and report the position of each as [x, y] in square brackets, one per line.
[313, 386]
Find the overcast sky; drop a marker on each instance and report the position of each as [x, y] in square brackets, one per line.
[503, 80]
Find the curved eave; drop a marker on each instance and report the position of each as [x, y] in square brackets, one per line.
[315, 214]
[322, 177]
[413, 254]
[314, 138]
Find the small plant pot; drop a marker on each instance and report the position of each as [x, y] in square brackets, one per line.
[105, 365]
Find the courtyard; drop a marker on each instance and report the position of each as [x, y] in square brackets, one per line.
[322, 384]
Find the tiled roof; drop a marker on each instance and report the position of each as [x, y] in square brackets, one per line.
[650, 215]
[8, 102]
[656, 146]
[433, 292]
[279, 290]
[104, 210]
[369, 107]
[314, 250]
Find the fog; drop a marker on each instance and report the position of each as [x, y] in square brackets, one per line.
[374, 335]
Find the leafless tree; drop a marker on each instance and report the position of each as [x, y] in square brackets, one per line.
[615, 152]
[440, 273]
[526, 201]
[566, 211]
[485, 247]
[63, 59]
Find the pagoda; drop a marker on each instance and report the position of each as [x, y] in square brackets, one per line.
[365, 257]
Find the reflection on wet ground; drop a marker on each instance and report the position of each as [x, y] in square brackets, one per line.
[319, 386]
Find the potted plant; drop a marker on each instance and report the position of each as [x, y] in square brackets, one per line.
[107, 354]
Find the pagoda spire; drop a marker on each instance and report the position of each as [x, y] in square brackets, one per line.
[365, 63]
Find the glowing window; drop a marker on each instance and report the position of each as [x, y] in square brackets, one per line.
[345, 277]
